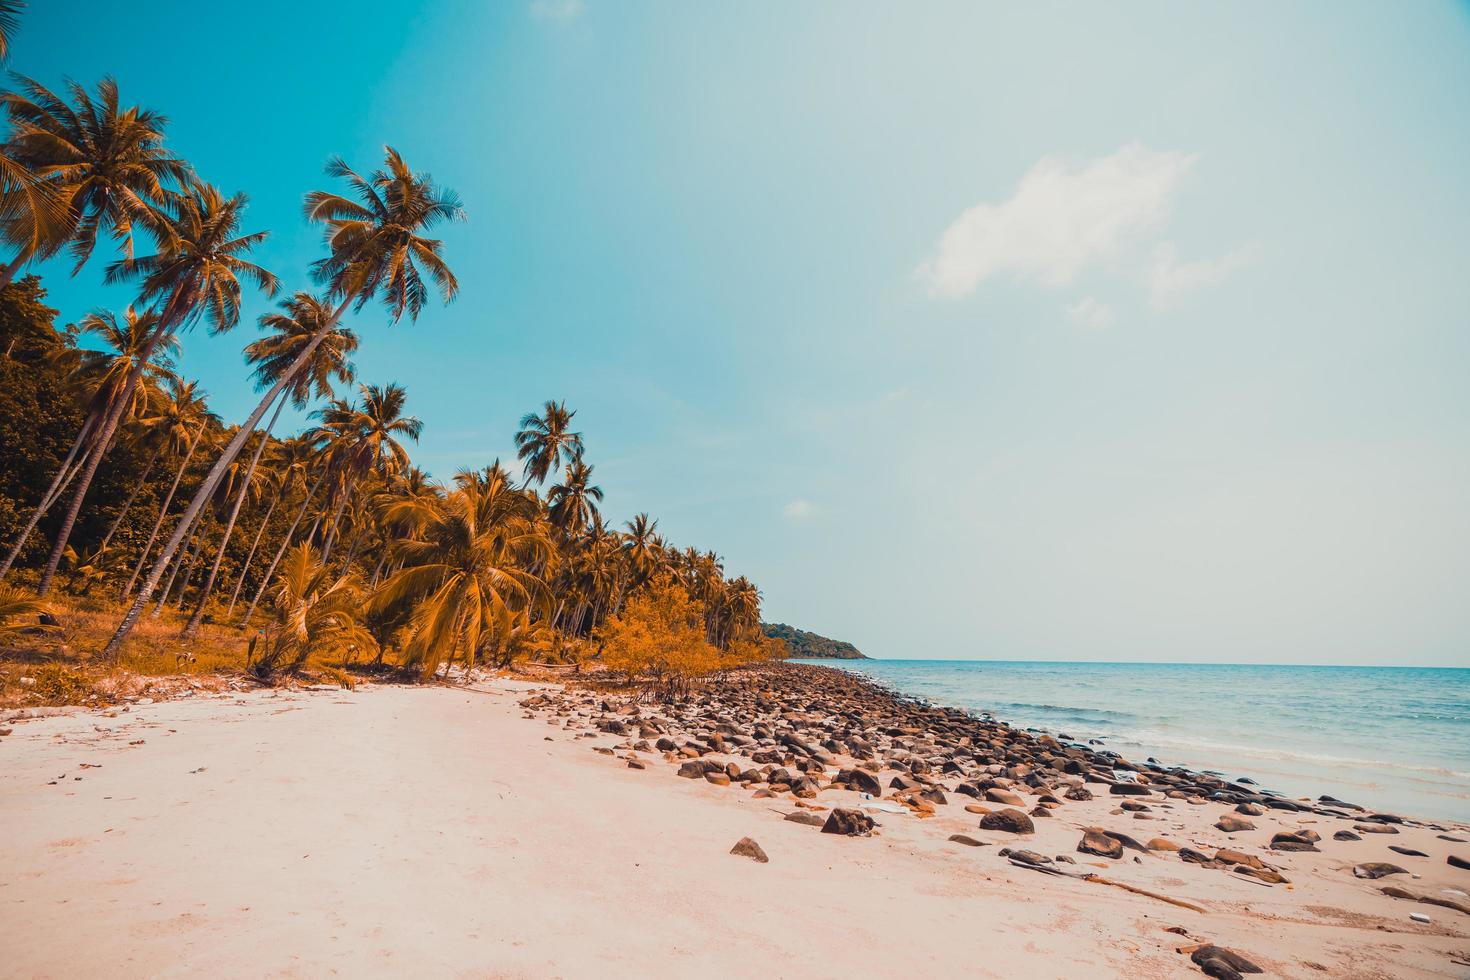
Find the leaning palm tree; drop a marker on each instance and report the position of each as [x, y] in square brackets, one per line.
[194, 276]
[545, 441]
[467, 559]
[183, 419]
[273, 356]
[377, 248]
[109, 163]
[105, 378]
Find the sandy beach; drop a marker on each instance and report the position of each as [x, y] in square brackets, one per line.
[435, 831]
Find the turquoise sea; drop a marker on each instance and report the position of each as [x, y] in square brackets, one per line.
[1390, 738]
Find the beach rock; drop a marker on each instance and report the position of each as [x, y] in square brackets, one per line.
[1129, 789]
[1231, 824]
[861, 781]
[806, 818]
[1040, 811]
[1003, 796]
[1100, 844]
[718, 778]
[965, 840]
[1222, 963]
[1345, 835]
[1374, 828]
[1452, 839]
[1227, 855]
[1455, 861]
[1025, 857]
[1374, 870]
[1190, 856]
[1123, 839]
[1162, 844]
[849, 823]
[745, 847]
[1135, 807]
[1268, 875]
[1250, 809]
[1078, 794]
[934, 795]
[692, 770]
[1009, 820]
[976, 808]
[1407, 851]
[637, 764]
[1288, 841]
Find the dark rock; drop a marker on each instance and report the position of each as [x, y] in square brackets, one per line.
[1407, 851]
[861, 781]
[1100, 844]
[1250, 809]
[965, 840]
[1222, 963]
[1129, 789]
[1374, 828]
[1009, 820]
[805, 818]
[1078, 794]
[1345, 835]
[1287, 841]
[692, 769]
[850, 823]
[1455, 861]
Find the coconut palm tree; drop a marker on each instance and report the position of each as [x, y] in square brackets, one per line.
[545, 441]
[312, 612]
[273, 356]
[104, 378]
[182, 424]
[364, 439]
[467, 560]
[377, 248]
[9, 24]
[109, 163]
[574, 501]
[194, 276]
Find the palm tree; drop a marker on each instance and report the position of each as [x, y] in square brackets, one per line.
[574, 501]
[109, 163]
[20, 612]
[545, 440]
[366, 439]
[196, 275]
[9, 24]
[273, 356]
[376, 248]
[105, 378]
[311, 612]
[182, 422]
[467, 561]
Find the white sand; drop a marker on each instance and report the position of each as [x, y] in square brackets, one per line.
[432, 832]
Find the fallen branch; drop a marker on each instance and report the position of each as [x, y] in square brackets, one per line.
[1100, 880]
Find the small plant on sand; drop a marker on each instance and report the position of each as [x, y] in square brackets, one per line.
[313, 613]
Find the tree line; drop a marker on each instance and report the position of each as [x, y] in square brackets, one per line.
[118, 481]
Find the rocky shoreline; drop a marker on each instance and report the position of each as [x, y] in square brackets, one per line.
[803, 733]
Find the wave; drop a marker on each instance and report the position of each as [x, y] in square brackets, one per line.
[1064, 709]
[1147, 740]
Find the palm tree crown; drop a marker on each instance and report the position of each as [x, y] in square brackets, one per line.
[545, 441]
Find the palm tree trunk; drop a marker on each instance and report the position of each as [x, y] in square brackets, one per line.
[281, 551]
[378, 568]
[54, 491]
[259, 533]
[219, 555]
[137, 489]
[215, 474]
[184, 558]
[104, 440]
[7, 275]
[336, 518]
[162, 514]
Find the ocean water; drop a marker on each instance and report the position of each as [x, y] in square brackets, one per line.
[1389, 738]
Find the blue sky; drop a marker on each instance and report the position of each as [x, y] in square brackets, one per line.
[1109, 332]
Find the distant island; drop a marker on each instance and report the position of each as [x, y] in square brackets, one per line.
[811, 645]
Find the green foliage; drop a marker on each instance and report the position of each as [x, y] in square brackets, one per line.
[801, 644]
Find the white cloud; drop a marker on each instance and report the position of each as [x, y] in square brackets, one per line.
[1088, 312]
[1058, 221]
[557, 10]
[799, 510]
[1168, 279]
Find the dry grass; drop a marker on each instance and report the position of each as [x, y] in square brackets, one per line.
[65, 666]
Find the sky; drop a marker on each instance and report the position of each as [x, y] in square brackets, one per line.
[1133, 331]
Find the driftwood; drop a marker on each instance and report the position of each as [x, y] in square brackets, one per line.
[1097, 879]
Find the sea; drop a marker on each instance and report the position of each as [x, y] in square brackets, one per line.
[1386, 738]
